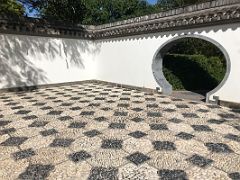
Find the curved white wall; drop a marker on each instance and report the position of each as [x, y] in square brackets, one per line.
[128, 60]
[29, 60]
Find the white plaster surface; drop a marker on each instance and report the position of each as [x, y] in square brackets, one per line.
[29, 60]
[128, 60]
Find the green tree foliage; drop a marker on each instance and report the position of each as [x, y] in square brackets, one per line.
[11, 7]
[194, 64]
[193, 72]
[65, 10]
[105, 11]
[90, 11]
[169, 4]
[100, 11]
[193, 46]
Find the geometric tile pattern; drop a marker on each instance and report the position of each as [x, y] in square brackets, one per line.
[48, 132]
[164, 145]
[92, 133]
[14, 141]
[235, 175]
[99, 131]
[172, 174]
[219, 147]
[24, 154]
[111, 144]
[185, 136]
[199, 160]
[137, 158]
[103, 173]
[137, 134]
[201, 128]
[79, 156]
[61, 142]
[36, 171]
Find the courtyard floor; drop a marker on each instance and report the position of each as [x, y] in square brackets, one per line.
[97, 131]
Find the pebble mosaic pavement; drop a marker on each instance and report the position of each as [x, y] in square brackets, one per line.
[96, 131]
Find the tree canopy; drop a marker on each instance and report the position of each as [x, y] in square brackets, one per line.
[98, 11]
[169, 4]
[11, 7]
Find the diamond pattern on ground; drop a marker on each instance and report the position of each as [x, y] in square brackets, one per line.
[90, 130]
[190, 115]
[48, 132]
[4, 123]
[38, 124]
[65, 118]
[119, 113]
[137, 134]
[117, 126]
[14, 141]
[55, 113]
[37, 171]
[175, 120]
[164, 145]
[137, 119]
[92, 133]
[137, 109]
[101, 119]
[200, 161]
[138, 158]
[111, 144]
[167, 174]
[23, 154]
[218, 148]
[215, 121]
[154, 114]
[201, 128]
[233, 137]
[30, 117]
[185, 136]
[159, 127]
[87, 113]
[77, 125]
[234, 175]
[79, 156]
[22, 112]
[102, 173]
[61, 143]
[7, 131]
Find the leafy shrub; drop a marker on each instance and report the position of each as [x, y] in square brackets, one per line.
[193, 72]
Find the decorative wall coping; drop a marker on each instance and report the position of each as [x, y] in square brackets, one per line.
[198, 15]
[42, 27]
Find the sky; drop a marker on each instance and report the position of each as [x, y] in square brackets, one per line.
[152, 1]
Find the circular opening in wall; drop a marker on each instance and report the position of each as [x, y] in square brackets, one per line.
[191, 67]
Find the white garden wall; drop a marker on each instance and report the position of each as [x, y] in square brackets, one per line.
[128, 60]
[31, 60]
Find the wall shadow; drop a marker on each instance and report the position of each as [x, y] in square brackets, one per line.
[19, 55]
